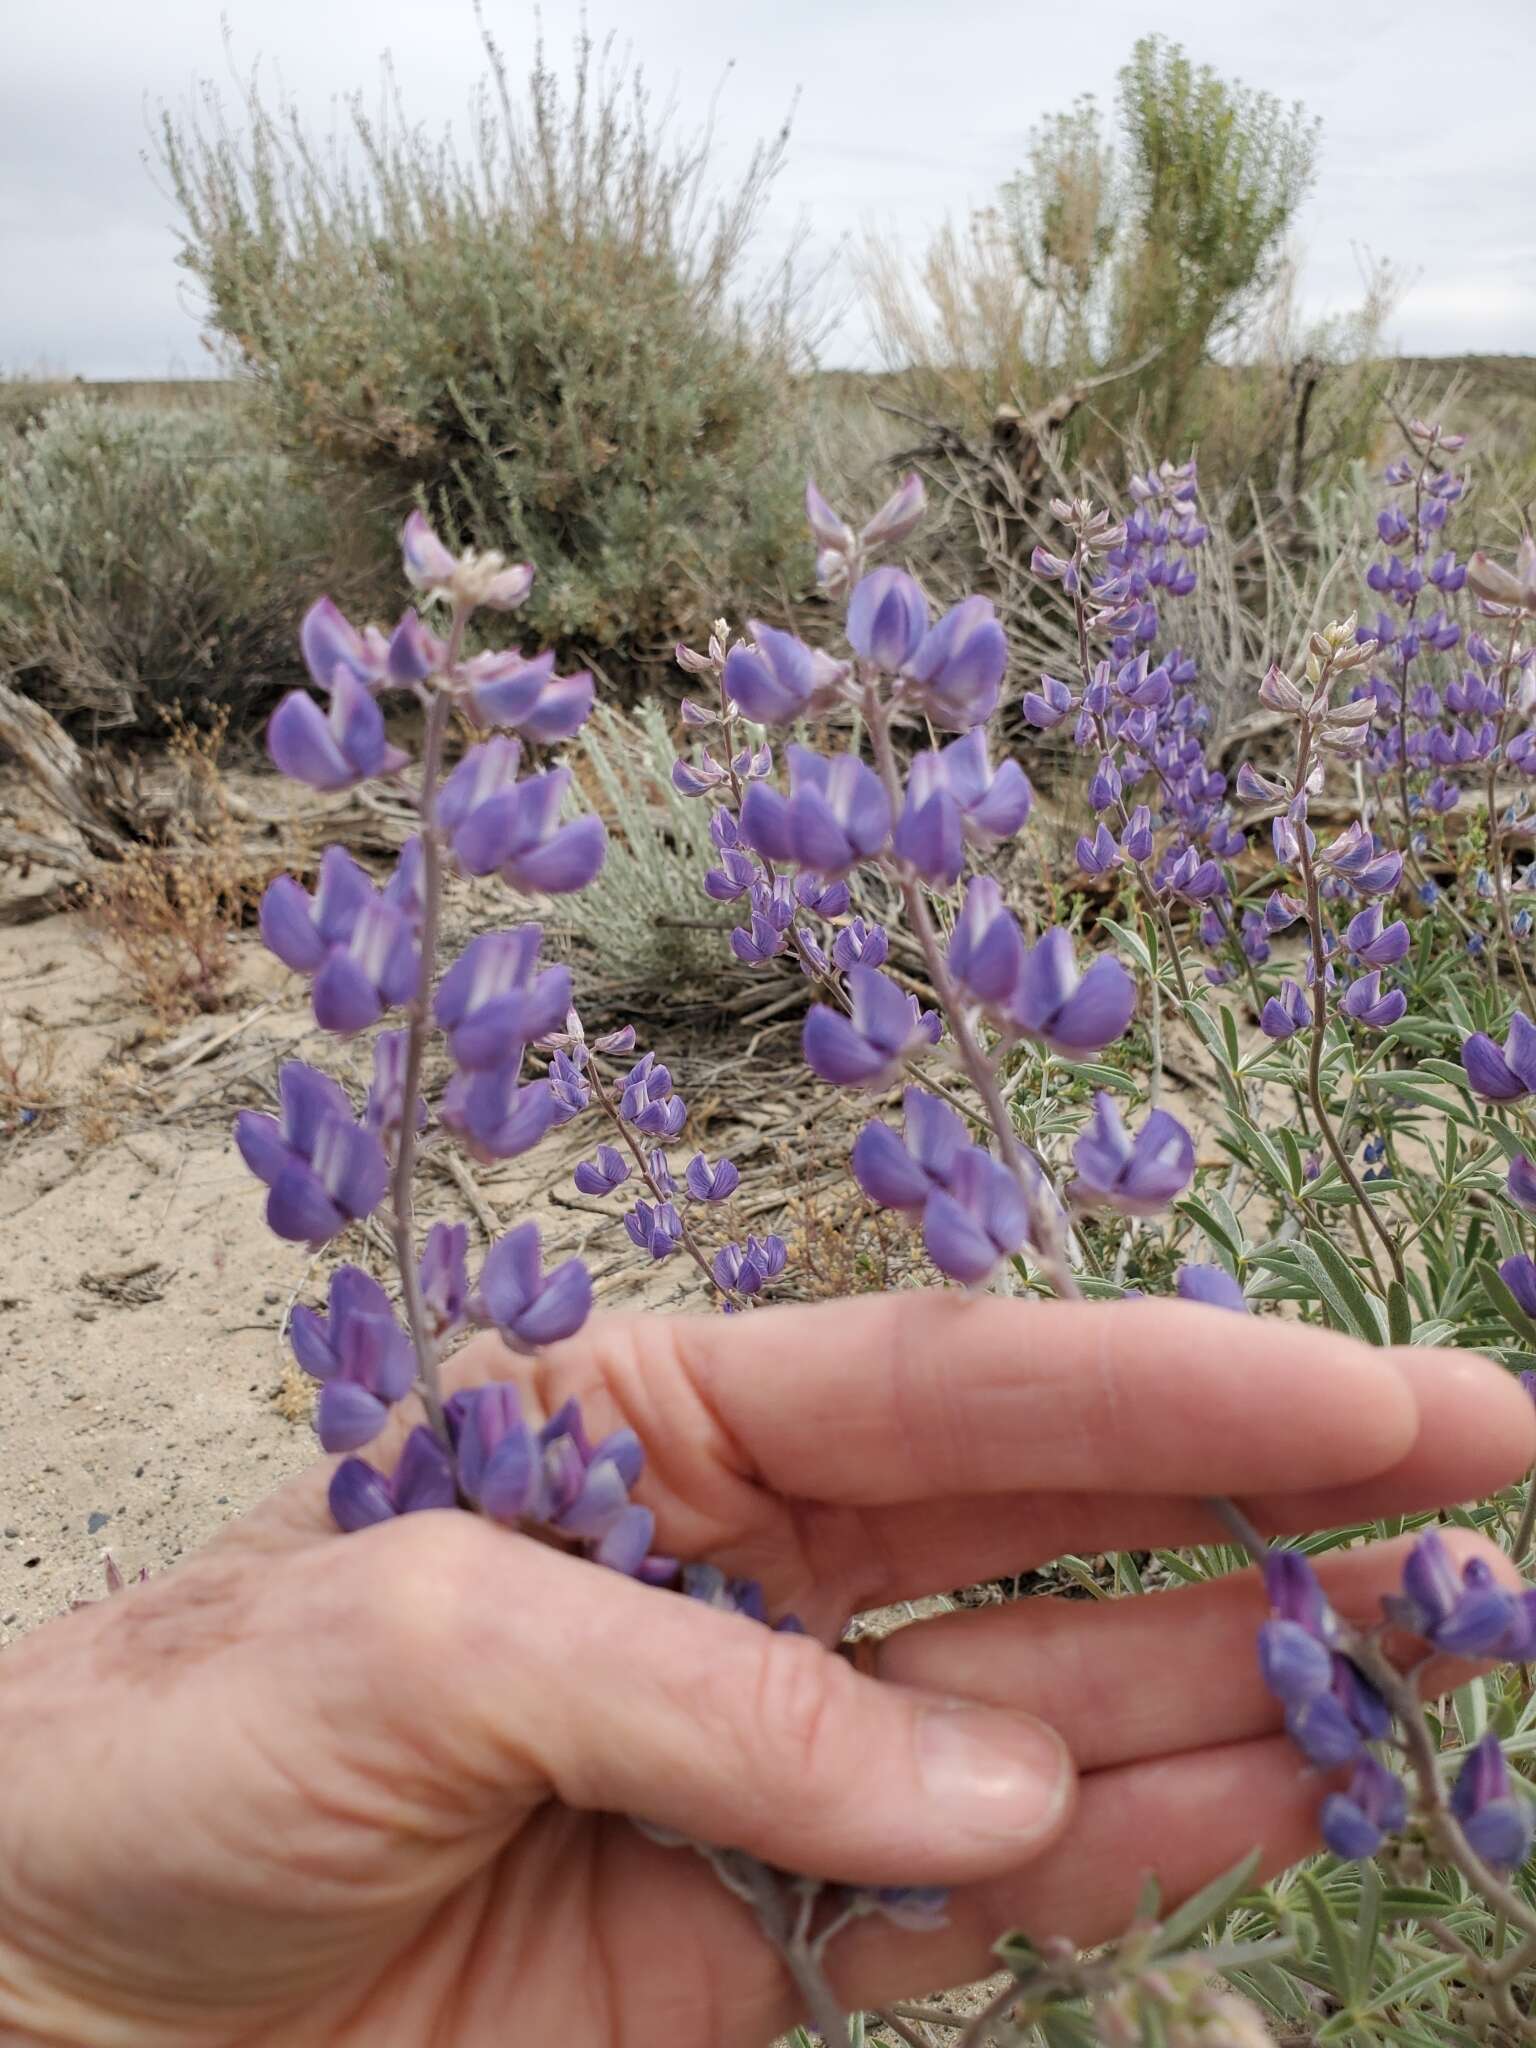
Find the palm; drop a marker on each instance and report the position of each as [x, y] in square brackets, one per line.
[362, 1802]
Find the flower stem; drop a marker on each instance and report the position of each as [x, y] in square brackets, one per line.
[402, 1191]
[1025, 1167]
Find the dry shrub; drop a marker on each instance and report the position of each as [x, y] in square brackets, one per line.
[840, 1244]
[28, 1057]
[167, 910]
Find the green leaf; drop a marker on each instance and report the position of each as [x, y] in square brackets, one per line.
[1195, 1915]
[1399, 1314]
[1367, 1933]
[1098, 1076]
[1330, 1933]
[1131, 942]
[1339, 1285]
[1213, 1226]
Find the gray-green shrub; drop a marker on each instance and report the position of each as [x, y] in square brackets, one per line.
[542, 337]
[148, 560]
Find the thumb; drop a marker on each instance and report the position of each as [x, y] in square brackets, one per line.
[546, 1675]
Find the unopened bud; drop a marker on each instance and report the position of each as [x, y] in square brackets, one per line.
[1279, 692]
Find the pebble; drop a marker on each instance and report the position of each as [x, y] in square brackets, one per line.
[97, 1521]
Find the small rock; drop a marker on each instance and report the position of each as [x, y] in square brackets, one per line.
[271, 1297]
[10, 1531]
[97, 1521]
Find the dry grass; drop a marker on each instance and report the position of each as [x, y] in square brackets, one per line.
[167, 911]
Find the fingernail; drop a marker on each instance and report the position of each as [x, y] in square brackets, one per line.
[993, 1772]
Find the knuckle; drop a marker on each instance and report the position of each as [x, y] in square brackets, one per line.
[800, 1702]
[403, 1589]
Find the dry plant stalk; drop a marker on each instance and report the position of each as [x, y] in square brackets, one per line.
[167, 911]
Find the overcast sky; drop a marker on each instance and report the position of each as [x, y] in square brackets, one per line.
[907, 110]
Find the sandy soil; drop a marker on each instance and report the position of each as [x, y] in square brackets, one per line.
[146, 1395]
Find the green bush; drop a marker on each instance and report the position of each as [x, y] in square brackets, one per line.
[153, 560]
[540, 338]
[1127, 250]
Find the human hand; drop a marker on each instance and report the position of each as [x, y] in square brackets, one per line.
[308, 1789]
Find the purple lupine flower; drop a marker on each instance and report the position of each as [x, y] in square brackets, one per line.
[1137, 840]
[1375, 944]
[647, 1102]
[360, 1355]
[1098, 855]
[357, 944]
[495, 1114]
[823, 899]
[954, 795]
[1494, 1818]
[835, 816]
[556, 1478]
[897, 517]
[887, 618]
[1296, 1594]
[567, 1087]
[1192, 879]
[708, 1183]
[902, 1172]
[1522, 1182]
[1502, 1076]
[1334, 1728]
[1212, 1285]
[600, 1176]
[1465, 1613]
[860, 945]
[1072, 1013]
[385, 1108]
[757, 942]
[655, 1228]
[527, 697]
[1287, 1013]
[746, 1268]
[706, 1582]
[979, 1217]
[1049, 705]
[1519, 1276]
[958, 667]
[1356, 1821]
[494, 998]
[443, 1276]
[500, 824]
[869, 1047]
[1296, 1666]
[335, 749]
[986, 949]
[1354, 857]
[773, 680]
[528, 1306]
[323, 1168]
[1364, 1001]
[359, 1496]
[1138, 1176]
[429, 565]
[330, 642]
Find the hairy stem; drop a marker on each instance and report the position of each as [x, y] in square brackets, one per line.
[402, 1189]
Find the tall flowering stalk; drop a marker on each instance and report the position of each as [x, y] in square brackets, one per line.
[998, 1191]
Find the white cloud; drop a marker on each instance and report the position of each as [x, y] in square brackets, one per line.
[907, 110]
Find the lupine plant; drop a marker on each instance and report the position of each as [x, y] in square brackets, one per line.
[1315, 928]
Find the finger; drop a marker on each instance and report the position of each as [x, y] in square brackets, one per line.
[1143, 1677]
[1476, 1433]
[1185, 1819]
[536, 1674]
[915, 1396]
